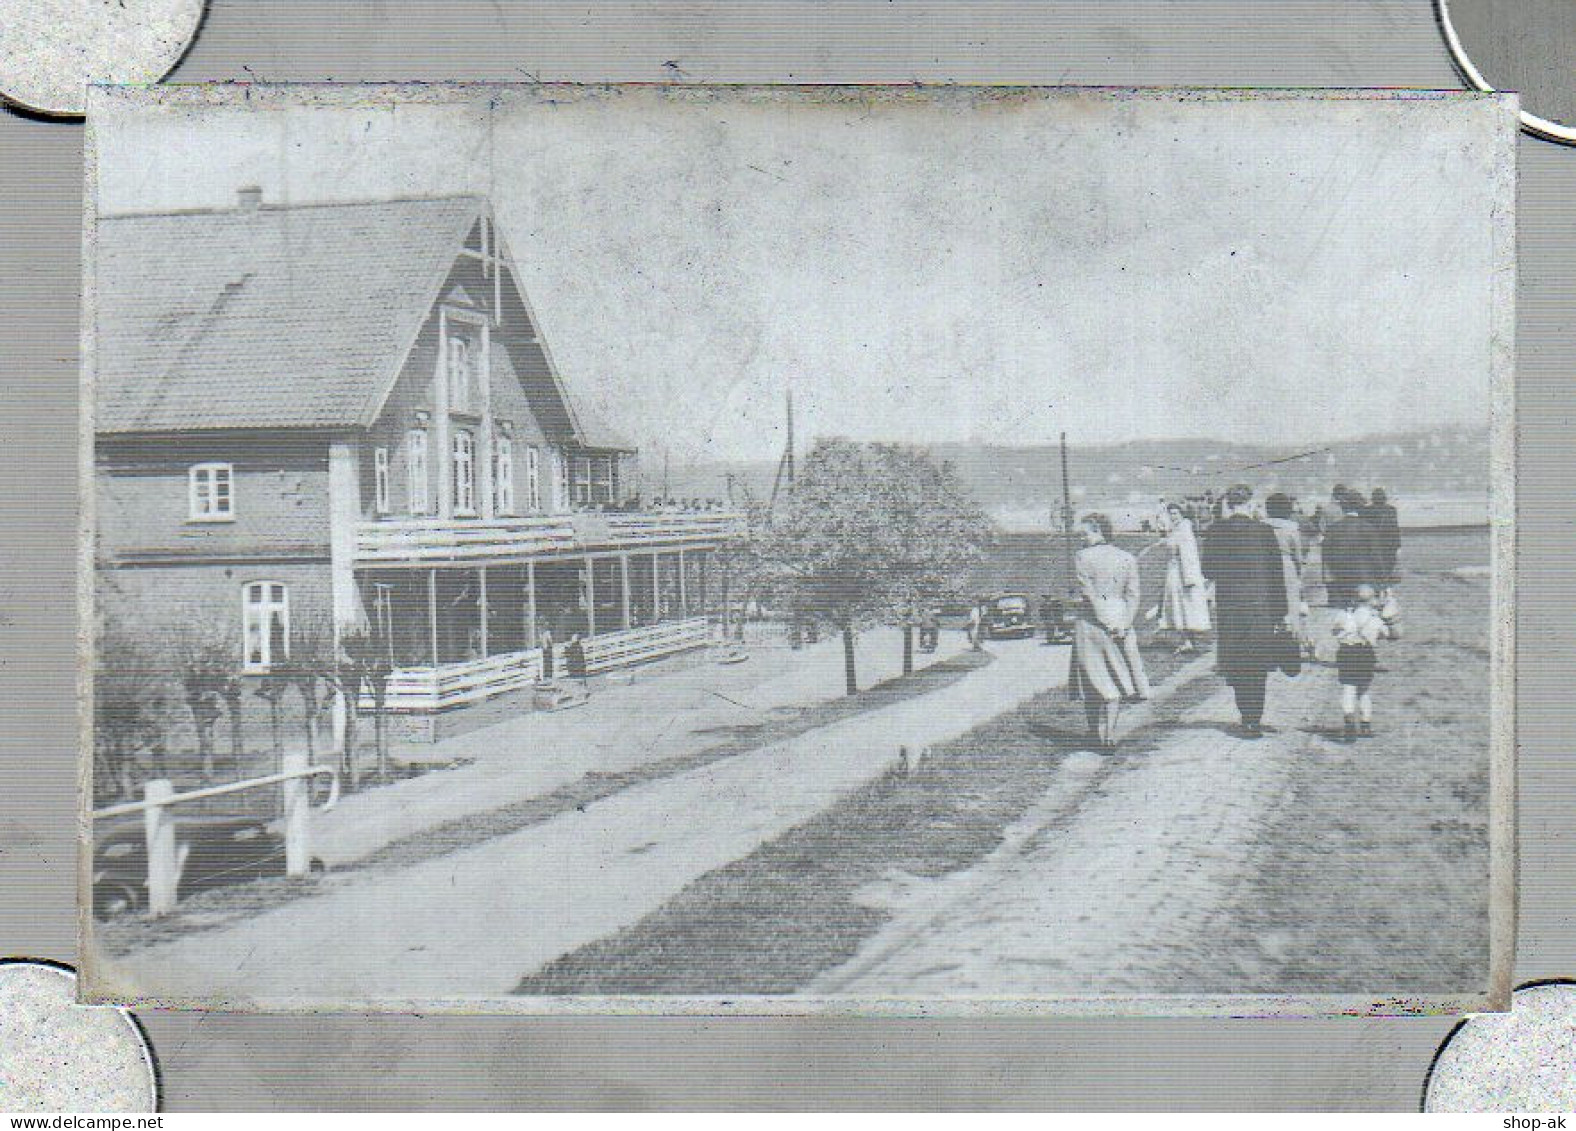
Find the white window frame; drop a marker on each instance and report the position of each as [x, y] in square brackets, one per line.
[258, 616]
[380, 480]
[503, 474]
[462, 459]
[204, 500]
[416, 469]
[533, 479]
[463, 366]
[561, 498]
[581, 488]
[598, 482]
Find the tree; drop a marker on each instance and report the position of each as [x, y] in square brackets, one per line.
[363, 664]
[208, 668]
[131, 708]
[869, 532]
[312, 668]
[369, 654]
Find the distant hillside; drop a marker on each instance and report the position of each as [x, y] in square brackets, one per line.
[1021, 486]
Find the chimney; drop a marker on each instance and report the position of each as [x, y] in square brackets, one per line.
[249, 198]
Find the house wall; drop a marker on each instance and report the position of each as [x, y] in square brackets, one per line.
[412, 393]
[161, 576]
[517, 368]
[158, 603]
[280, 486]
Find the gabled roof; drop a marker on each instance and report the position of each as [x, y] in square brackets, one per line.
[294, 316]
[279, 317]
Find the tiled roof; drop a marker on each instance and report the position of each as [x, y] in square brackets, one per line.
[281, 317]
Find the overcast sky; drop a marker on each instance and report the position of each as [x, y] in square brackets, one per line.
[1000, 270]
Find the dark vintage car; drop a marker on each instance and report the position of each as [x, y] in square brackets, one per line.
[1057, 615]
[1007, 617]
[219, 849]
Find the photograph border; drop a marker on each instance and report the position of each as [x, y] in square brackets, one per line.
[97, 984]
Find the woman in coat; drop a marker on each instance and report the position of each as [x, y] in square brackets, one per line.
[1184, 609]
[1106, 667]
[1279, 515]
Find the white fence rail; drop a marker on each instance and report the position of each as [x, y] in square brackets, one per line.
[165, 859]
[407, 541]
[419, 690]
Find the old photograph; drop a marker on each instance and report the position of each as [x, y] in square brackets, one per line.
[882, 550]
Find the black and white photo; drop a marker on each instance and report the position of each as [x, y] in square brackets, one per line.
[862, 549]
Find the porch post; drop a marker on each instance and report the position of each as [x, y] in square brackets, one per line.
[441, 454]
[481, 603]
[432, 612]
[590, 596]
[683, 589]
[344, 507]
[623, 573]
[485, 442]
[530, 604]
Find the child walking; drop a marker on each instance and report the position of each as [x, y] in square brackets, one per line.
[1357, 630]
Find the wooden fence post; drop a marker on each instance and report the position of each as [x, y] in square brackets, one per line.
[158, 825]
[297, 847]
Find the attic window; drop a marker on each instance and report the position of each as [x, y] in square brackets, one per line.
[464, 369]
[210, 492]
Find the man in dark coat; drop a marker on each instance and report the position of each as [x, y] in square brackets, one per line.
[1241, 556]
[1351, 552]
[1380, 515]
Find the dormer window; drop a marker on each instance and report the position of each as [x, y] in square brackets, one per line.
[210, 492]
[464, 365]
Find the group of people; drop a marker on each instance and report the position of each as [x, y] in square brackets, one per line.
[663, 504]
[1243, 579]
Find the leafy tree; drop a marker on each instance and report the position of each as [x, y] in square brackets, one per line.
[869, 533]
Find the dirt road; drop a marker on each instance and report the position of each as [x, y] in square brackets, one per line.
[471, 923]
[651, 717]
[1108, 884]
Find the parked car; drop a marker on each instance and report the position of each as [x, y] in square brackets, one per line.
[1056, 619]
[1007, 617]
[219, 849]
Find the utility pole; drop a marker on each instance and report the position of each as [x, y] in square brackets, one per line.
[785, 467]
[790, 439]
[1067, 522]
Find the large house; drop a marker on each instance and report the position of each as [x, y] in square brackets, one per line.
[339, 417]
